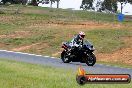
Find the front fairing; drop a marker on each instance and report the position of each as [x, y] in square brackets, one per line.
[88, 46]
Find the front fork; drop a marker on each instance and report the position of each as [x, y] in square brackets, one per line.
[85, 56]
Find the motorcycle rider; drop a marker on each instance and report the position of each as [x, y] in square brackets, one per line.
[77, 41]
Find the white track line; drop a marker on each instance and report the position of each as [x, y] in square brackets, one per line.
[26, 53]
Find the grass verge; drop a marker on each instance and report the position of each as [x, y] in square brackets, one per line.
[22, 75]
[107, 41]
[115, 64]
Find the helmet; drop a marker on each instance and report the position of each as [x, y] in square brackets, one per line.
[81, 34]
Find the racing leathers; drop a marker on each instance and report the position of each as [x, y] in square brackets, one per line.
[76, 41]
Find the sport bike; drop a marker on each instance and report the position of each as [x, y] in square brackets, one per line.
[83, 53]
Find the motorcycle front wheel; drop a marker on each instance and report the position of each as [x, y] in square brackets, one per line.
[65, 57]
[90, 59]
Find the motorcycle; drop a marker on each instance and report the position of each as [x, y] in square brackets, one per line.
[83, 53]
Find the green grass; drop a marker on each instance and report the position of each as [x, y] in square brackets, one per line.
[22, 75]
[65, 15]
[86, 15]
[107, 41]
[6, 26]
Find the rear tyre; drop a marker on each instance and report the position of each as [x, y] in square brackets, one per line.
[91, 59]
[65, 57]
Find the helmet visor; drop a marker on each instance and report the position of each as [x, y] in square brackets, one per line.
[82, 36]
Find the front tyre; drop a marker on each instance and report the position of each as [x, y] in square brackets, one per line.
[65, 57]
[91, 59]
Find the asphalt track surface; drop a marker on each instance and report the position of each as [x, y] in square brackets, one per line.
[50, 61]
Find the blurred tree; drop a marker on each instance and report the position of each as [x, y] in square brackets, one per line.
[57, 3]
[98, 5]
[19, 2]
[104, 5]
[15, 1]
[34, 2]
[53, 1]
[87, 4]
[5, 1]
[123, 3]
[109, 5]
